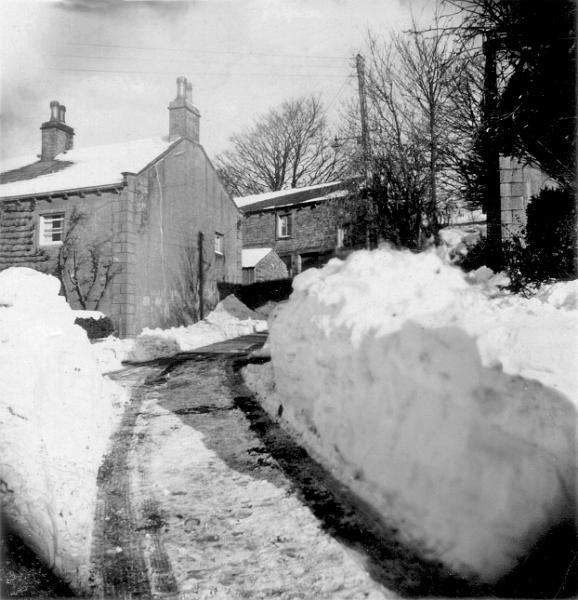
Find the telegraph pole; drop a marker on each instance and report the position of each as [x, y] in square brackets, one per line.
[360, 66]
[201, 277]
[491, 157]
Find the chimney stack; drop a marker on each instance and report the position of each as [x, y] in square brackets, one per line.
[183, 116]
[57, 136]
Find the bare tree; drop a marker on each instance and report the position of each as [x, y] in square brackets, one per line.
[426, 62]
[423, 107]
[287, 147]
[85, 268]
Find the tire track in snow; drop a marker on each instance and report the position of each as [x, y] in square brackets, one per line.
[128, 558]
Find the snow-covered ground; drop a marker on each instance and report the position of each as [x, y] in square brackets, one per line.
[56, 415]
[57, 410]
[230, 319]
[458, 240]
[447, 404]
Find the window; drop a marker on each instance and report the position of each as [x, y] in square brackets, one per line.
[51, 229]
[219, 244]
[284, 225]
[344, 236]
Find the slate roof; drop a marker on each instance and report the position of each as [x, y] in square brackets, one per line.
[292, 197]
[78, 168]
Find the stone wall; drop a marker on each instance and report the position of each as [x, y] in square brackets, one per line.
[518, 183]
[18, 238]
[167, 205]
[20, 243]
[270, 267]
[314, 230]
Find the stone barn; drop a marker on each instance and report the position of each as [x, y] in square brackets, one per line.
[142, 230]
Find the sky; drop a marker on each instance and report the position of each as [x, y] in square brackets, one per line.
[114, 63]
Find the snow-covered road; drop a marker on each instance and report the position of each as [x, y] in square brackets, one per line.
[204, 496]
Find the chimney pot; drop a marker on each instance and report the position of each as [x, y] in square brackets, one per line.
[62, 113]
[181, 87]
[189, 91]
[55, 110]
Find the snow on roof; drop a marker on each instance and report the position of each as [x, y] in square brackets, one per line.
[80, 168]
[291, 196]
[252, 256]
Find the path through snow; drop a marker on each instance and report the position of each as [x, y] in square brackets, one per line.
[206, 497]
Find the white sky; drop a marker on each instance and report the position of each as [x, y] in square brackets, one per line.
[114, 63]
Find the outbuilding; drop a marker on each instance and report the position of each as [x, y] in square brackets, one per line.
[262, 264]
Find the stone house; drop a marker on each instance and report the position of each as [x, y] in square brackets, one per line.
[518, 183]
[305, 226]
[262, 264]
[124, 226]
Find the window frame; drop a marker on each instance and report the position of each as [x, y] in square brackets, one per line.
[340, 237]
[278, 222]
[343, 235]
[43, 220]
[219, 243]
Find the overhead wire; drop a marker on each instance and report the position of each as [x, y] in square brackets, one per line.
[196, 51]
[205, 73]
[172, 60]
[265, 68]
[334, 99]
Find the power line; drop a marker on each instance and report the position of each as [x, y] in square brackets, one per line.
[172, 60]
[194, 51]
[339, 91]
[204, 74]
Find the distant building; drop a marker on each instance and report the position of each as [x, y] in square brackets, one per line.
[305, 226]
[518, 183]
[262, 264]
[124, 226]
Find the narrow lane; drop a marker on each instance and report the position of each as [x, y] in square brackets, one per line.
[206, 497]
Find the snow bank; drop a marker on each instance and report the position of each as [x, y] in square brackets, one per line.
[457, 241]
[56, 415]
[563, 294]
[230, 319]
[110, 352]
[423, 394]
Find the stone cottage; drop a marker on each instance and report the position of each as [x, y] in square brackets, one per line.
[305, 226]
[141, 230]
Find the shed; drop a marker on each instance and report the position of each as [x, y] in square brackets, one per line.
[262, 264]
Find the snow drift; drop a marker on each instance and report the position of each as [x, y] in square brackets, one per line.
[230, 319]
[424, 395]
[56, 415]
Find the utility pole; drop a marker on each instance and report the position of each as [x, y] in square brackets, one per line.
[491, 156]
[201, 277]
[360, 66]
